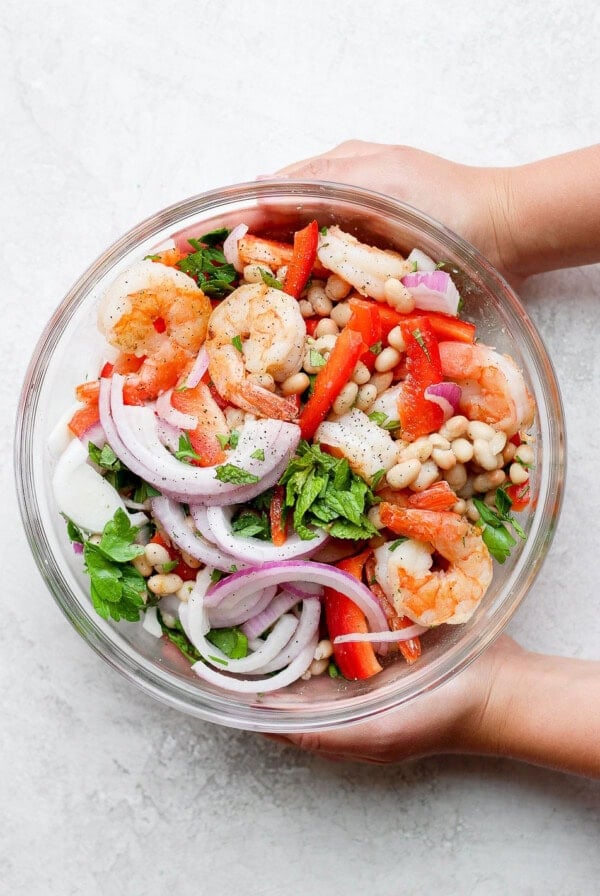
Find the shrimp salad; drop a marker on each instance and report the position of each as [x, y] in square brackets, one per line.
[296, 458]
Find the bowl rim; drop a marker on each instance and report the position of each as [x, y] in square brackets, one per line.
[161, 684]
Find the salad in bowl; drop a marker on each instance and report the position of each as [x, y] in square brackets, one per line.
[296, 465]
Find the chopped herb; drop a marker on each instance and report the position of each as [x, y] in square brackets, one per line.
[185, 452]
[259, 454]
[144, 491]
[316, 358]
[394, 544]
[269, 280]
[231, 641]
[234, 438]
[325, 493]
[218, 659]
[104, 457]
[179, 638]
[377, 348]
[237, 343]
[419, 337]
[494, 531]
[223, 440]
[235, 475]
[208, 266]
[323, 231]
[151, 257]
[384, 421]
[415, 267]
[252, 524]
[216, 575]
[74, 532]
[333, 671]
[377, 477]
[117, 588]
[169, 566]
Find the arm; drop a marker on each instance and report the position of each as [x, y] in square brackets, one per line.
[509, 702]
[526, 219]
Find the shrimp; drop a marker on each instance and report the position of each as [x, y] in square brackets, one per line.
[433, 596]
[272, 334]
[367, 447]
[157, 313]
[493, 388]
[365, 267]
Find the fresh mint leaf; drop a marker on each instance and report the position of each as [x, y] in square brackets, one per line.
[376, 478]
[259, 454]
[234, 438]
[252, 524]
[316, 358]
[185, 452]
[231, 641]
[104, 457]
[235, 475]
[144, 491]
[236, 341]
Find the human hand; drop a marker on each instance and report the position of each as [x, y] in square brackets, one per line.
[461, 716]
[471, 201]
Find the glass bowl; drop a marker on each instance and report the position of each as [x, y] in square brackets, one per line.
[70, 350]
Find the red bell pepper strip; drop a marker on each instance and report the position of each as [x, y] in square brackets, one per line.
[185, 572]
[418, 416]
[84, 418]
[277, 516]
[444, 326]
[303, 259]
[366, 320]
[331, 379]
[519, 495]
[356, 660]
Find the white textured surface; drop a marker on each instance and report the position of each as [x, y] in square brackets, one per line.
[110, 111]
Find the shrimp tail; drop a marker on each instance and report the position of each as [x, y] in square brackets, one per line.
[255, 399]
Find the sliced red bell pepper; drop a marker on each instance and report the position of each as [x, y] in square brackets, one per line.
[84, 418]
[366, 320]
[302, 261]
[418, 416]
[331, 379]
[444, 326]
[199, 402]
[356, 661]
[277, 516]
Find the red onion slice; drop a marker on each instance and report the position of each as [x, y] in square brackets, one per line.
[255, 551]
[240, 611]
[446, 395]
[145, 455]
[171, 415]
[433, 291]
[283, 571]
[172, 518]
[256, 625]
[403, 634]
[308, 627]
[230, 247]
[94, 434]
[199, 368]
[263, 685]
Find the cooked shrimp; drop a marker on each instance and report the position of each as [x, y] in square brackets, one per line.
[433, 596]
[158, 313]
[365, 267]
[273, 253]
[493, 388]
[272, 333]
[367, 447]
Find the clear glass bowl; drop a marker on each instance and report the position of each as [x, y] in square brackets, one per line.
[71, 349]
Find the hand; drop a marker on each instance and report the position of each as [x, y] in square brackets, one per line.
[470, 201]
[458, 717]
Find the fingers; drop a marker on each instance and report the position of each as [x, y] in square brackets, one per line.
[316, 167]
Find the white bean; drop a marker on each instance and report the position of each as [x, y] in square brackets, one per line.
[305, 308]
[455, 427]
[323, 650]
[486, 481]
[398, 296]
[482, 454]
[387, 359]
[428, 474]
[163, 584]
[341, 314]
[361, 374]
[463, 450]
[472, 512]
[477, 429]
[156, 554]
[438, 441]
[456, 477]
[518, 474]
[143, 565]
[336, 288]
[326, 327]
[444, 458]
[497, 442]
[421, 448]
[325, 343]
[524, 453]
[403, 474]
[381, 381]
[185, 591]
[320, 301]
[345, 399]
[396, 339]
[365, 398]
[317, 667]
[295, 384]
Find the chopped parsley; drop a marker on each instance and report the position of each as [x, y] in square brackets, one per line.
[376, 348]
[231, 641]
[237, 343]
[323, 492]
[316, 358]
[117, 589]
[269, 280]
[179, 638]
[208, 265]
[259, 454]
[493, 523]
[185, 452]
[235, 475]
[323, 231]
[384, 421]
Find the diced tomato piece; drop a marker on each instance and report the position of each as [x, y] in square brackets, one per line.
[211, 423]
[88, 392]
[84, 418]
[356, 661]
[185, 572]
[519, 495]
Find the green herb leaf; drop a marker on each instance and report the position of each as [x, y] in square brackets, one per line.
[377, 348]
[208, 265]
[179, 638]
[237, 343]
[117, 542]
[269, 280]
[215, 237]
[104, 457]
[316, 358]
[144, 491]
[394, 544]
[259, 454]
[236, 475]
[185, 452]
[323, 231]
[252, 524]
[495, 533]
[216, 575]
[231, 641]
[74, 532]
